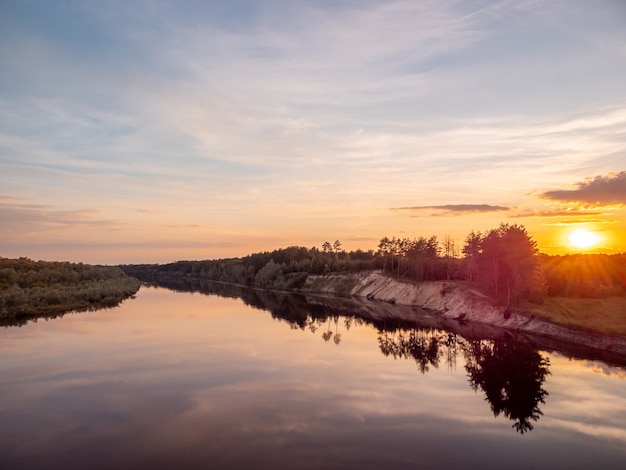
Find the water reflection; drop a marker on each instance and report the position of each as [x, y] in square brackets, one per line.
[512, 377]
[26, 319]
[173, 380]
[301, 311]
[421, 345]
[511, 373]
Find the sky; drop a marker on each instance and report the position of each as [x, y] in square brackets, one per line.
[155, 131]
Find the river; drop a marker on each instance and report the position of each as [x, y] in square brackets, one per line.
[176, 379]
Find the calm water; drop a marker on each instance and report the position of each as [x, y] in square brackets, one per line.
[175, 379]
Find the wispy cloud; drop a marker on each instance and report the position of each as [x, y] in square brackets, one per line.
[455, 209]
[583, 220]
[558, 213]
[29, 218]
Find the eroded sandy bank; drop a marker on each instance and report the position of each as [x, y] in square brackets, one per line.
[454, 300]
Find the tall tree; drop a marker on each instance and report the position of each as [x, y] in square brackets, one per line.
[471, 250]
[424, 253]
[328, 249]
[337, 249]
[449, 252]
[383, 250]
[508, 263]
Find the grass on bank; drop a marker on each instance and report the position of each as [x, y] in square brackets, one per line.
[604, 315]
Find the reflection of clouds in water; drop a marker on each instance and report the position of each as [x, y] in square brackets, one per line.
[587, 401]
[605, 369]
[596, 430]
[585, 367]
[238, 389]
[235, 422]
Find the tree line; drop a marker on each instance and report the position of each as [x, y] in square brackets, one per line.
[585, 275]
[44, 288]
[285, 268]
[504, 262]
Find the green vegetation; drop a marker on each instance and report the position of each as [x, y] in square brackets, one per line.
[502, 262]
[585, 276]
[603, 315]
[283, 269]
[41, 288]
[584, 291]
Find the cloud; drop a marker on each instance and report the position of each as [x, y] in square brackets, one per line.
[599, 191]
[455, 209]
[566, 222]
[27, 218]
[558, 213]
[10, 198]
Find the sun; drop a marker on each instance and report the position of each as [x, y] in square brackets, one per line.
[583, 239]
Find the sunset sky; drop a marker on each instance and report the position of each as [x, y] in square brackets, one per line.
[154, 131]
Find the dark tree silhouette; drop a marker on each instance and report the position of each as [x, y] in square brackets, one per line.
[449, 252]
[384, 249]
[471, 250]
[424, 252]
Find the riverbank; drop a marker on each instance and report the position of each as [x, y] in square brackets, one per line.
[32, 289]
[459, 301]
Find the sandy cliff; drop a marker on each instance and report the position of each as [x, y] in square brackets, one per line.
[453, 300]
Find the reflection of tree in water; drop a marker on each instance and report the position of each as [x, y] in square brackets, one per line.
[327, 334]
[337, 338]
[511, 377]
[335, 335]
[451, 343]
[419, 344]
